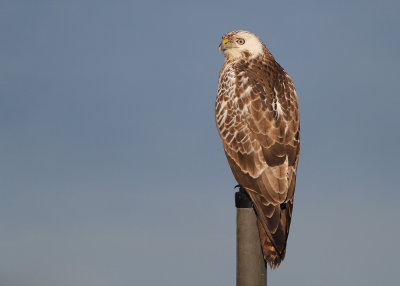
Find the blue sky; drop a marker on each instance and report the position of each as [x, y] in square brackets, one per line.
[113, 172]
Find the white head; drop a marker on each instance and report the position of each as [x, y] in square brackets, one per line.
[238, 44]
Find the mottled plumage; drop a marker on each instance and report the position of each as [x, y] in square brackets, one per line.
[257, 118]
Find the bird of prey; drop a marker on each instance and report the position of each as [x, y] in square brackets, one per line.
[257, 117]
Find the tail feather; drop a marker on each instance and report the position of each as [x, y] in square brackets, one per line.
[271, 255]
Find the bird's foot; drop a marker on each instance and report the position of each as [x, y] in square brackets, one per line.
[241, 189]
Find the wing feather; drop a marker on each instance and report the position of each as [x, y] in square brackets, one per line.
[257, 118]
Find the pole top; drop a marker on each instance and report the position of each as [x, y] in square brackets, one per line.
[242, 200]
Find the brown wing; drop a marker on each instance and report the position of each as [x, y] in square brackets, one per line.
[257, 118]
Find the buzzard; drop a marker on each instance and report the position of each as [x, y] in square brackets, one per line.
[257, 117]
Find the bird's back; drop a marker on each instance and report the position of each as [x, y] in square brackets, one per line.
[257, 118]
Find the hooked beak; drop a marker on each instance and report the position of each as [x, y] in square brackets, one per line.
[224, 45]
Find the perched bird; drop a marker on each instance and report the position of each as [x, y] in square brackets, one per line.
[257, 117]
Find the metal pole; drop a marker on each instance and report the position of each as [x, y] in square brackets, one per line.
[250, 265]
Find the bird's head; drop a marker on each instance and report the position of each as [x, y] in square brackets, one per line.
[239, 44]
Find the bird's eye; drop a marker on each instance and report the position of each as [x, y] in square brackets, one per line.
[240, 41]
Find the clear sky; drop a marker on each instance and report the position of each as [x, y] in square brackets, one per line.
[112, 171]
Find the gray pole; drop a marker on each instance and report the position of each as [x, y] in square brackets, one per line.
[250, 265]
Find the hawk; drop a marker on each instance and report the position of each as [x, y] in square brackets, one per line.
[257, 117]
